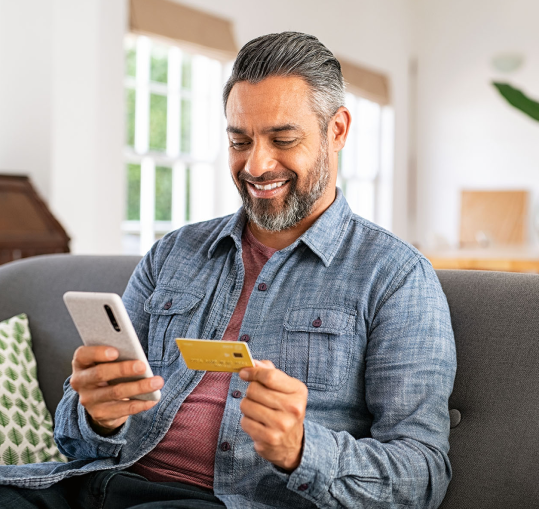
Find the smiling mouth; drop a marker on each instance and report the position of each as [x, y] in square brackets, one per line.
[268, 187]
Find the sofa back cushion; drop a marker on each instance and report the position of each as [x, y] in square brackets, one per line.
[494, 447]
[35, 286]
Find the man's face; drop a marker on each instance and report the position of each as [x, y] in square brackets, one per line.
[277, 155]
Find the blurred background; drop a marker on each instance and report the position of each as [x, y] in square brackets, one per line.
[113, 110]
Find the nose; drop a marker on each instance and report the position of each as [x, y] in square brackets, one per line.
[260, 160]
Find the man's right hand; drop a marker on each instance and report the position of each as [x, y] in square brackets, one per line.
[108, 405]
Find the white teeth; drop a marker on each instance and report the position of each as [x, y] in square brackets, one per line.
[269, 186]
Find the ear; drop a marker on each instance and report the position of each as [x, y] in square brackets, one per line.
[338, 129]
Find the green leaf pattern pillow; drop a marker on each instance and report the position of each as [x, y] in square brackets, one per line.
[26, 434]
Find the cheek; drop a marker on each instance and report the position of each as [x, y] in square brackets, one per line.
[236, 161]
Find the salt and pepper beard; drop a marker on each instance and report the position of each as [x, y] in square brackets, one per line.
[297, 205]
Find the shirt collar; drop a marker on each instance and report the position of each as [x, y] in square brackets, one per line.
[324, 237]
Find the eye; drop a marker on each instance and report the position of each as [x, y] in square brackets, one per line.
[284, 143]
[239, 145]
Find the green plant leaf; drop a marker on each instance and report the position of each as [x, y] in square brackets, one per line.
[47, 440]
[2, 359]
[21, 404]
[4, 419]
[15, 436]
[9, 386]
[2, 438]
[24, 391]
[13, 358]
[44, 455]
[25, 375]
[19, 419]
[47, 426]
[518, 99]
[58, 456]
[33, 372]
[34, 408]
[27, 354]
[28, 456]
[11, 374]
[32, 437]
[34, 422]
[18, 332]
[3, 344]
[36, 394]
[10, 457]
[15, 348]
[6, 402]
[4, 333]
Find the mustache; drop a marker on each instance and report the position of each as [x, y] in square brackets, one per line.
[266, 177]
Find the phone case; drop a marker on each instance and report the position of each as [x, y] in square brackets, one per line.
[98, 326]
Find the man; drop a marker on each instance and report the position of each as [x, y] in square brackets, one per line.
[349, 407]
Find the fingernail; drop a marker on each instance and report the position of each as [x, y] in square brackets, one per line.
[139, 367]
[111, 353]
[155, 383]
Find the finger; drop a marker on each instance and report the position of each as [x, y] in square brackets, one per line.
[260, 413]
[105, 372]
[265, 363]
[118, 409]
[267, 397]
[86, 356]
[272, 378]
[120, 391]
[260, 434]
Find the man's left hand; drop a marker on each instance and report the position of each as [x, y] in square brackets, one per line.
[273, 412]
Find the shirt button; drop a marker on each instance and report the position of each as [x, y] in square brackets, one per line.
[303, 487]
[262, 287]
[317, 322]
[236, 394]
[168, 305]
[225, 446]
[245, 337]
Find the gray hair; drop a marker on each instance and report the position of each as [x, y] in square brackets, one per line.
[292, 54]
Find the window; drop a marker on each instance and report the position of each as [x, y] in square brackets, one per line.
[365, 163]
[175, 139]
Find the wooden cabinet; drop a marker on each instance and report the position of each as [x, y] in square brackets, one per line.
[27, 227]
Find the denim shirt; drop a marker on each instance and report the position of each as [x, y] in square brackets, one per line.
[355, 313]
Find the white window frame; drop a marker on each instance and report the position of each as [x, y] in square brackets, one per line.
[206, 159]
[366, 164]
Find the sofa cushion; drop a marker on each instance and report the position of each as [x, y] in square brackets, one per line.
[26, 429]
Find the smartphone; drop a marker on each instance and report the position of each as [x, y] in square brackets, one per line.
[207, 355]
[102, 320]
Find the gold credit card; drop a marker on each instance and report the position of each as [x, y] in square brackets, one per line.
[207, 355]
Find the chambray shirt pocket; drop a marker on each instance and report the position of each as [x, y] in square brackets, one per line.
[171, 314]
[316, 345]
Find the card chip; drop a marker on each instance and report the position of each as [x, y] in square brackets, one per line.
[238, 354]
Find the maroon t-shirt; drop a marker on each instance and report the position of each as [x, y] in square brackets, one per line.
[187, 451]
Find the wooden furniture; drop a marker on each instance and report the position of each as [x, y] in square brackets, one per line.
[27, 227]
[504, 259]
[493, 218]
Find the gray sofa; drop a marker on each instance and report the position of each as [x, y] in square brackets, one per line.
[494, 406]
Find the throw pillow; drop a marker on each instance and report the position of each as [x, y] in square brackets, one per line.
[26, 428]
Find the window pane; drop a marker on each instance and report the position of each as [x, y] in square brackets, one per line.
[131, 62]
[159, 64]
[186, 71]
[130, 58]
[185, 126]
[163, 193]
[130, 116]
[158, 122]
[133, 192]
[187, 194]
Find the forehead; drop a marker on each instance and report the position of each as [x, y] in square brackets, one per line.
[273, 101]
